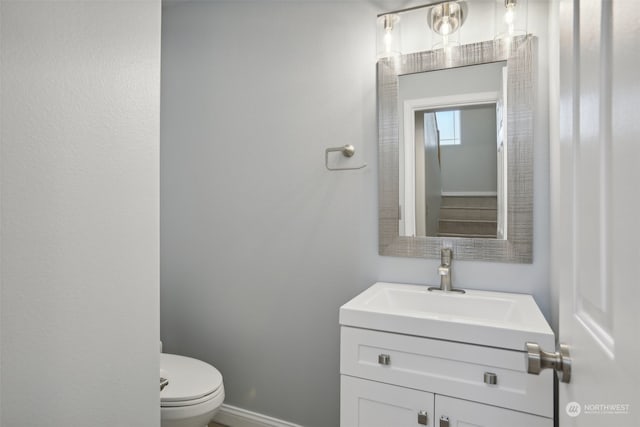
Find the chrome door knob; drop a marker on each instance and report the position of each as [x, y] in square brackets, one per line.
[560, 361]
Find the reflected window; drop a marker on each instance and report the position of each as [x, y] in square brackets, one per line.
[448, 123]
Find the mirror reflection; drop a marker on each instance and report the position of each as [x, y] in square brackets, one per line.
[453, 152]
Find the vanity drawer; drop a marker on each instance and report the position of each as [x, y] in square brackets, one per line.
[447, 368]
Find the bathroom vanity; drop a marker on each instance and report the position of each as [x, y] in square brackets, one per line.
[412, 357]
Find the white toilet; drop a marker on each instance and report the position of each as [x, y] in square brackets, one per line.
[193, 394]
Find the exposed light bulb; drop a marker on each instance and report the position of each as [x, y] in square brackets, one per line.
[445, 28]
[509, 15]
[388, 39]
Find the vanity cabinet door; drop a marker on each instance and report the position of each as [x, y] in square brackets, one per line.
[366, 403]
[450, 412]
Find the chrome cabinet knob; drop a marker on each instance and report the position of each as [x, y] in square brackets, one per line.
[384, 359]
[490, 378]
[423, 418]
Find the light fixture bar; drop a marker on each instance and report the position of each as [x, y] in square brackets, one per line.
[408, 9]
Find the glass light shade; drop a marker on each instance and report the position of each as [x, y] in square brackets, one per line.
[388, 32]
[511, 18]
[445, 20]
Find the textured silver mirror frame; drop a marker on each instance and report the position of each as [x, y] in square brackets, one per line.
[521, 58]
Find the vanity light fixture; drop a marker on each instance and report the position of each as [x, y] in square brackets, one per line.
[511, 18]
[446, 19]
[389, 36]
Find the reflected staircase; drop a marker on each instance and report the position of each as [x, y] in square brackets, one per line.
[468, 216]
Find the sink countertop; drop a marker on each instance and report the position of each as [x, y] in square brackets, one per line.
[495, 319]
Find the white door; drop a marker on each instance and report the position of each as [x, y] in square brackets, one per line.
[596, 211]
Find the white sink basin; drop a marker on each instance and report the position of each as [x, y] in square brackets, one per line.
[493, 319]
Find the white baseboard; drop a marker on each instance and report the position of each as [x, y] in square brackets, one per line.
[238, 417]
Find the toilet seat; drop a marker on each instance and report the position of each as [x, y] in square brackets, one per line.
[191, 381]
[181, 403]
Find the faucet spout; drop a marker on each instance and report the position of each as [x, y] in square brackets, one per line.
[446, 254]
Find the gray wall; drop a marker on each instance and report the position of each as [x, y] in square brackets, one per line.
[472, 165]
[260, 245]
[79, 213]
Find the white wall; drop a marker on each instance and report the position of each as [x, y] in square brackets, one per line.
[260, 244]
[80, 195]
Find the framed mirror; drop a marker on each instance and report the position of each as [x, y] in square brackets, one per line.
[455, 151]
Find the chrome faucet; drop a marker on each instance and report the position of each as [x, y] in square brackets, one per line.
[446, 256]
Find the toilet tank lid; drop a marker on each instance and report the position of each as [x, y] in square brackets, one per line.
[189, 378]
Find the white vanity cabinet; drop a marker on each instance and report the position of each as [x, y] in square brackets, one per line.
[396, 380]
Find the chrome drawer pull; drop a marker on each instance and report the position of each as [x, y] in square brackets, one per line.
[444, 421]
[490, 378]
[384, 359]
[422, 418]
